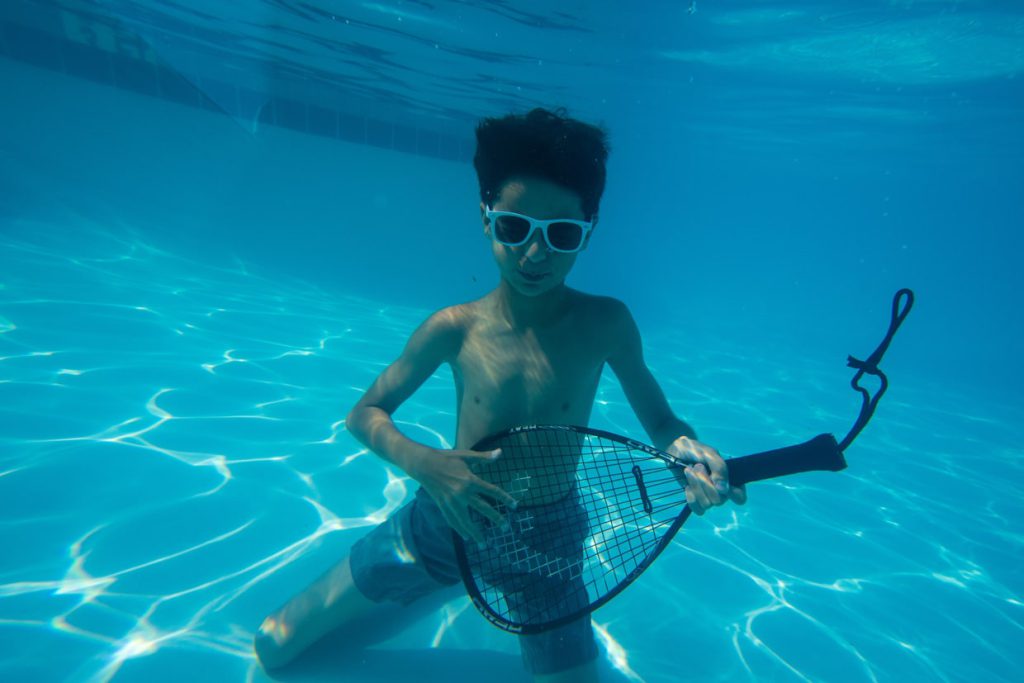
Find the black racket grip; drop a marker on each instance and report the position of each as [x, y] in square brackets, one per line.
[820, 453]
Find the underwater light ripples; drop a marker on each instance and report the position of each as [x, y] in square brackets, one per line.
[215, 479]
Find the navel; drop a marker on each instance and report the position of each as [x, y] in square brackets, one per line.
[476, 400]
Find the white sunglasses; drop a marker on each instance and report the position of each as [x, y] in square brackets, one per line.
[512, 229]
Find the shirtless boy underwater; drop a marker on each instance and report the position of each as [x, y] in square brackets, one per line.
[529, 352]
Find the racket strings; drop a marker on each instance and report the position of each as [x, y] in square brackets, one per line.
[590, 534]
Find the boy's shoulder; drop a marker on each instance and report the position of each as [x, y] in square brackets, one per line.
[597, 304]
[449, 325]
[599, 311]
[450, 319]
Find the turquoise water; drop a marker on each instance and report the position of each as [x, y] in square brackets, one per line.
[175, 465]
[192, 298]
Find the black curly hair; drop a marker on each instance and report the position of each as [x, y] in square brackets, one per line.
[545, 144]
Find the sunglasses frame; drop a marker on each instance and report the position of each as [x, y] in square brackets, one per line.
[493, 216]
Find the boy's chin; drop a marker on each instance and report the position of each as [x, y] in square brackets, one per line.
[534, 289]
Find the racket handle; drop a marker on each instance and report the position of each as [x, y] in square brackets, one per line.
[820, 453]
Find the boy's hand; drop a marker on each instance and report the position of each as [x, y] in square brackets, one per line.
[447, 477]
[707, 478]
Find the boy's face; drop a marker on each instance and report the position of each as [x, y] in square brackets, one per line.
[531, 268]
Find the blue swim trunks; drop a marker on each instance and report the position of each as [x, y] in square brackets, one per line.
[411, 555]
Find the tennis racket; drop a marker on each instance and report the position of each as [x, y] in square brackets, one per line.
[595, 509]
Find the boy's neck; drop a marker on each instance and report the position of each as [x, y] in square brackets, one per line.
[523, 311]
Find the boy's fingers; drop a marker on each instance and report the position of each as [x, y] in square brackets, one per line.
[498, 493]
[717, 467]
[714, 465]
[485, 509]
[470, 532]
[479, 455]
[721, 483]
[719, 480]
[463, 526]
[691, 500]
[696, 491]
[709, 492]
[738, 494]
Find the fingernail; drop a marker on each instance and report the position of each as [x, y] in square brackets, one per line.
[495, 453]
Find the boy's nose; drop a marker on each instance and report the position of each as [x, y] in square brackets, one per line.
[537, 248]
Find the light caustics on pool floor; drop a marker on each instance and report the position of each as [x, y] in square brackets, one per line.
[175, 464]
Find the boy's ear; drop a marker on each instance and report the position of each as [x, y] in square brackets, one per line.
[483, 217]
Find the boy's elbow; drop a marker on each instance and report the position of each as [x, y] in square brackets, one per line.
[356, 414]
[358, 420]
[354, 417]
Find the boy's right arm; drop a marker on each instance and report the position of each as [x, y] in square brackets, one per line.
[445, 474]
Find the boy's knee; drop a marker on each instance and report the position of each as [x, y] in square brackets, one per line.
[268, 649]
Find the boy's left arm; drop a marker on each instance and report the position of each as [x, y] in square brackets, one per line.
[707, 479]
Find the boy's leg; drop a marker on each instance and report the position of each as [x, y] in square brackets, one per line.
[330, 602]
[374, 593]
[567, 654]
[584, 673]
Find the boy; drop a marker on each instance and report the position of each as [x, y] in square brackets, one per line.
[529, 352]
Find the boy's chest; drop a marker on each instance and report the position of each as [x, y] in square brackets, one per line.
[548, 375]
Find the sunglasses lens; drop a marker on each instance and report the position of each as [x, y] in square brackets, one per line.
[565, 236]
[511, 229]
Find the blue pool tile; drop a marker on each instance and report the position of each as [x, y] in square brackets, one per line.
[33, 46]
[252, 107]
[174, 87]
[132, 74]
[404, 139]
[322, 121]
[467, 149]
[88, 62]
[217, 96]
[289, 114]
[448, 147]
[378, 133]
[351, 128]
[427, 142]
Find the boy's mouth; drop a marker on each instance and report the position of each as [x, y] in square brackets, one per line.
[533, 278]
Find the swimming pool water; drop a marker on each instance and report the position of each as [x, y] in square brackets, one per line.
[219, 222]
[175, 465]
